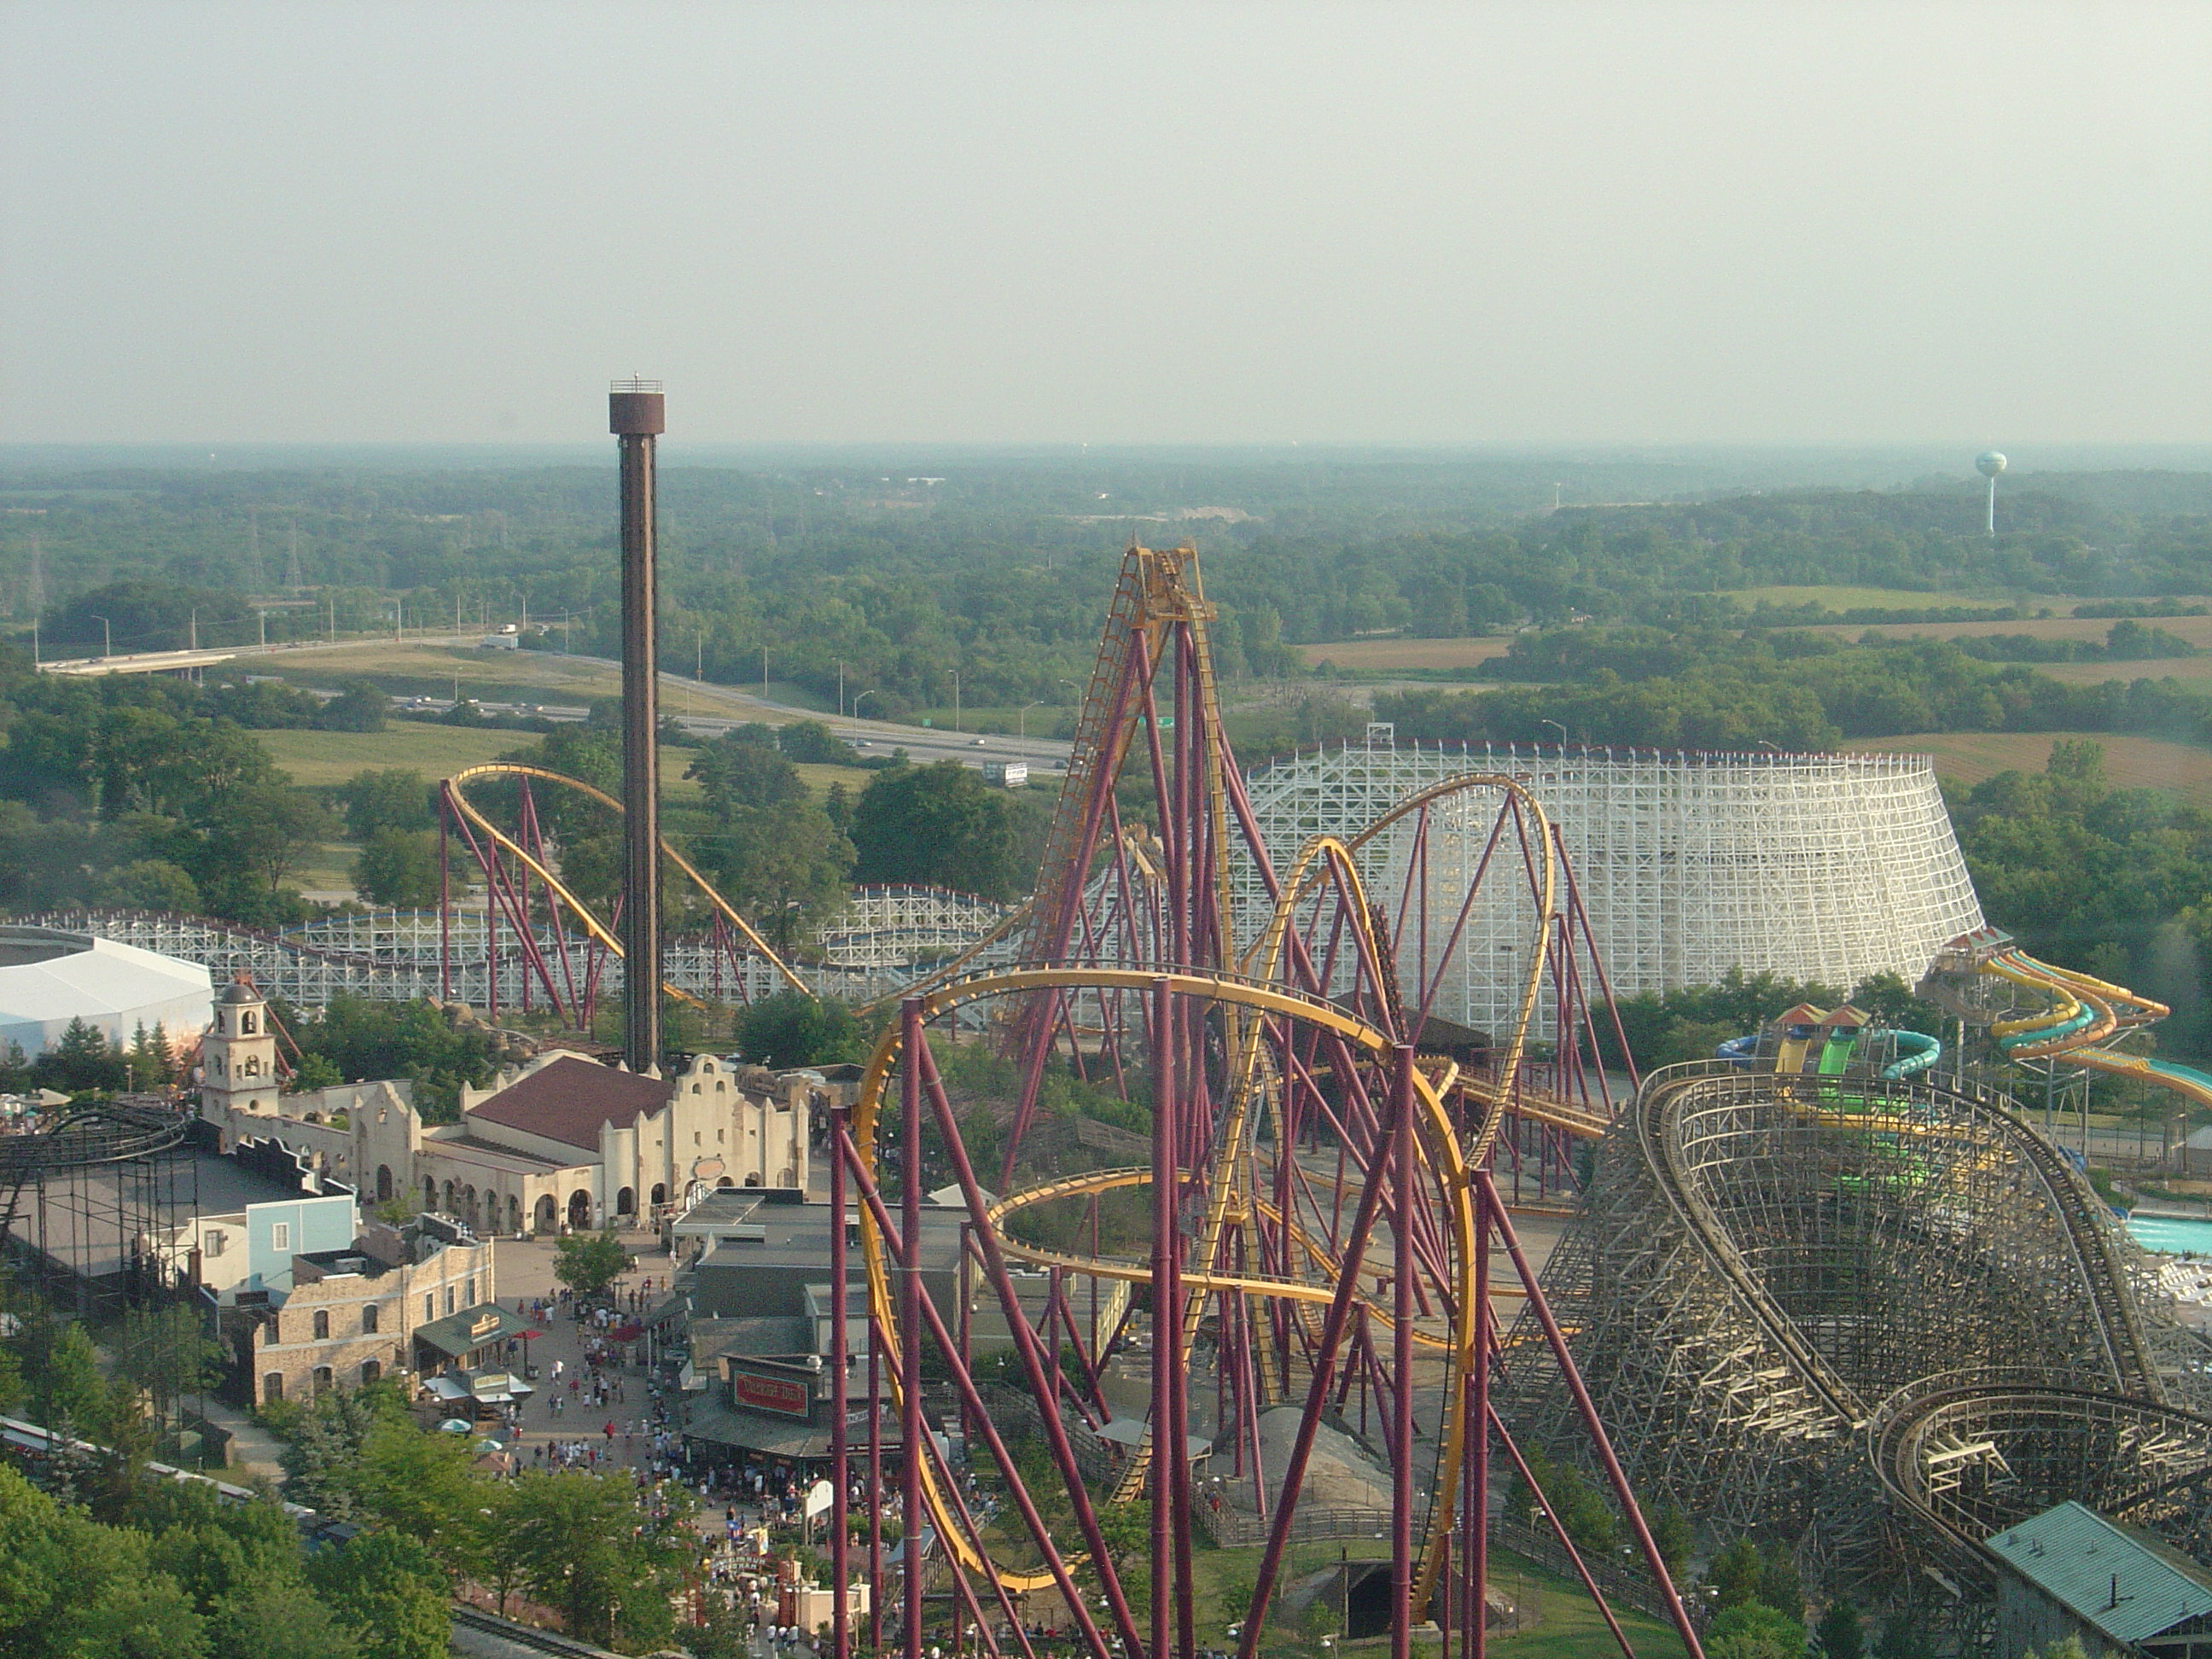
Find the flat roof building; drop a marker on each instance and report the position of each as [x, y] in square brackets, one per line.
[2072, 1571]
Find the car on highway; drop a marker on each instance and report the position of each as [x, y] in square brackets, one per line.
[976, 743]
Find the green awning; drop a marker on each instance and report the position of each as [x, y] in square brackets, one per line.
[472, 1328]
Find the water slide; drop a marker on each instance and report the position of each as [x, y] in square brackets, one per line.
[1915, 1052]
[2083, 1011]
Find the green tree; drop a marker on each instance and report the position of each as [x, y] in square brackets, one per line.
[147, 885]
[359, 707]
[587, 1263]
[587, 1551]
[1752, 1630]
[940, 825]
[83, 1059]
[785, 866]
[736, 774]
[391, 1589]
[281, 1619]
[420, 1486]
[793, 1028]
[1840, 1635]
[395, 798]
[1672, 1532]
[399, 867]
[168, 1352]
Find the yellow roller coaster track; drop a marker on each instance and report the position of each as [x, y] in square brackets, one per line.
[454, 788]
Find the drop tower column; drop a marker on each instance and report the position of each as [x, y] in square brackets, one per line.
[636, 414]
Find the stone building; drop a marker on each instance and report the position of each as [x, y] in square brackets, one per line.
[561, 1143]
[399, 1303]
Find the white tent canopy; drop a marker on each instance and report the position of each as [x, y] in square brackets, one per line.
[48, 978]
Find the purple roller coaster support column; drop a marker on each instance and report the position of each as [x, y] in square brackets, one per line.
[1477, 1427]
[1167, 1328]
[911, 1428]
[1293, 1476]
[963, 1380]
[1401, 1362]
[1491, 1212]
[1033, 1364]
[841, 1472]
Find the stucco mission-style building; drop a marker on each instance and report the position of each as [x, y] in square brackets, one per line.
[561, 1143]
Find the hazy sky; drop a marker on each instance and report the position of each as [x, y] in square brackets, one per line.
[1359, 223]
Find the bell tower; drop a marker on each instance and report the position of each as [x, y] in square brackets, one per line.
[237, 1057]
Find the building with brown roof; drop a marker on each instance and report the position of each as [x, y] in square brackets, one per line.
[560, 1143]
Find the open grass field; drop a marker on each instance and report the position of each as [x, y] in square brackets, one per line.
[2154, 668]
[317, 760]
[2131, 763]
[1385, 656]
[1891, 598]
[1566, 1627]
[2198, 630]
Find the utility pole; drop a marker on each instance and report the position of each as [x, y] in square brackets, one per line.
[763, 671]
[261, 622]
[196, 628]
[956, 700]
[841, 688]
[1024, 717]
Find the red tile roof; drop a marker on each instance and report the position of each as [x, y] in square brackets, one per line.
[568, 1100]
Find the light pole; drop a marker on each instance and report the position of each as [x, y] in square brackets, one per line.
[1563, 734]
[859, 697]
[956, 700]
[1077, 689]
[763, 671]
[841, 688]
[107, 636]
[1023, 718]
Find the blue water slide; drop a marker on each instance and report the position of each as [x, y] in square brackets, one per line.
[2180, 1073]
[2047, 1033]
[1738, 1051]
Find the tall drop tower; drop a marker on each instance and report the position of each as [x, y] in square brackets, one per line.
[637, 414]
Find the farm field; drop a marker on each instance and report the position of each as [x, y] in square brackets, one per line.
[1892, 599]
[2198, 630]
[1384, 656]
[2131, 763]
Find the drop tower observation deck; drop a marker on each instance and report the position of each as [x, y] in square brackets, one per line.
[637, 414]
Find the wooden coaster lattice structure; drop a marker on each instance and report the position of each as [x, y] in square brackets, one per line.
[1321, 1218]
[1887, 1317]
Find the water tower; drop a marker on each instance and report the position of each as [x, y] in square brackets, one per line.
[1989, 463]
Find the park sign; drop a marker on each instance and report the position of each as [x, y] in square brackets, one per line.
[783, 1395]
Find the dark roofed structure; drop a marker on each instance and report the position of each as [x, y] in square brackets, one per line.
[570, 1100]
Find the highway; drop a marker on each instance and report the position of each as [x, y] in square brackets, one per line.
[724, 707]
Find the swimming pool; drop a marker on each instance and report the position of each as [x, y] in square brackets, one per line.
[2172, 1235]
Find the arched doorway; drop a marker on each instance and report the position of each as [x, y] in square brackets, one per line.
[548, 1214]
[514, 1213]
[580, 1209]
[451, 1205]
[659, 1194]
[370, 1371]
[626, 1201]
[384, 1183]
[429, 1194]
